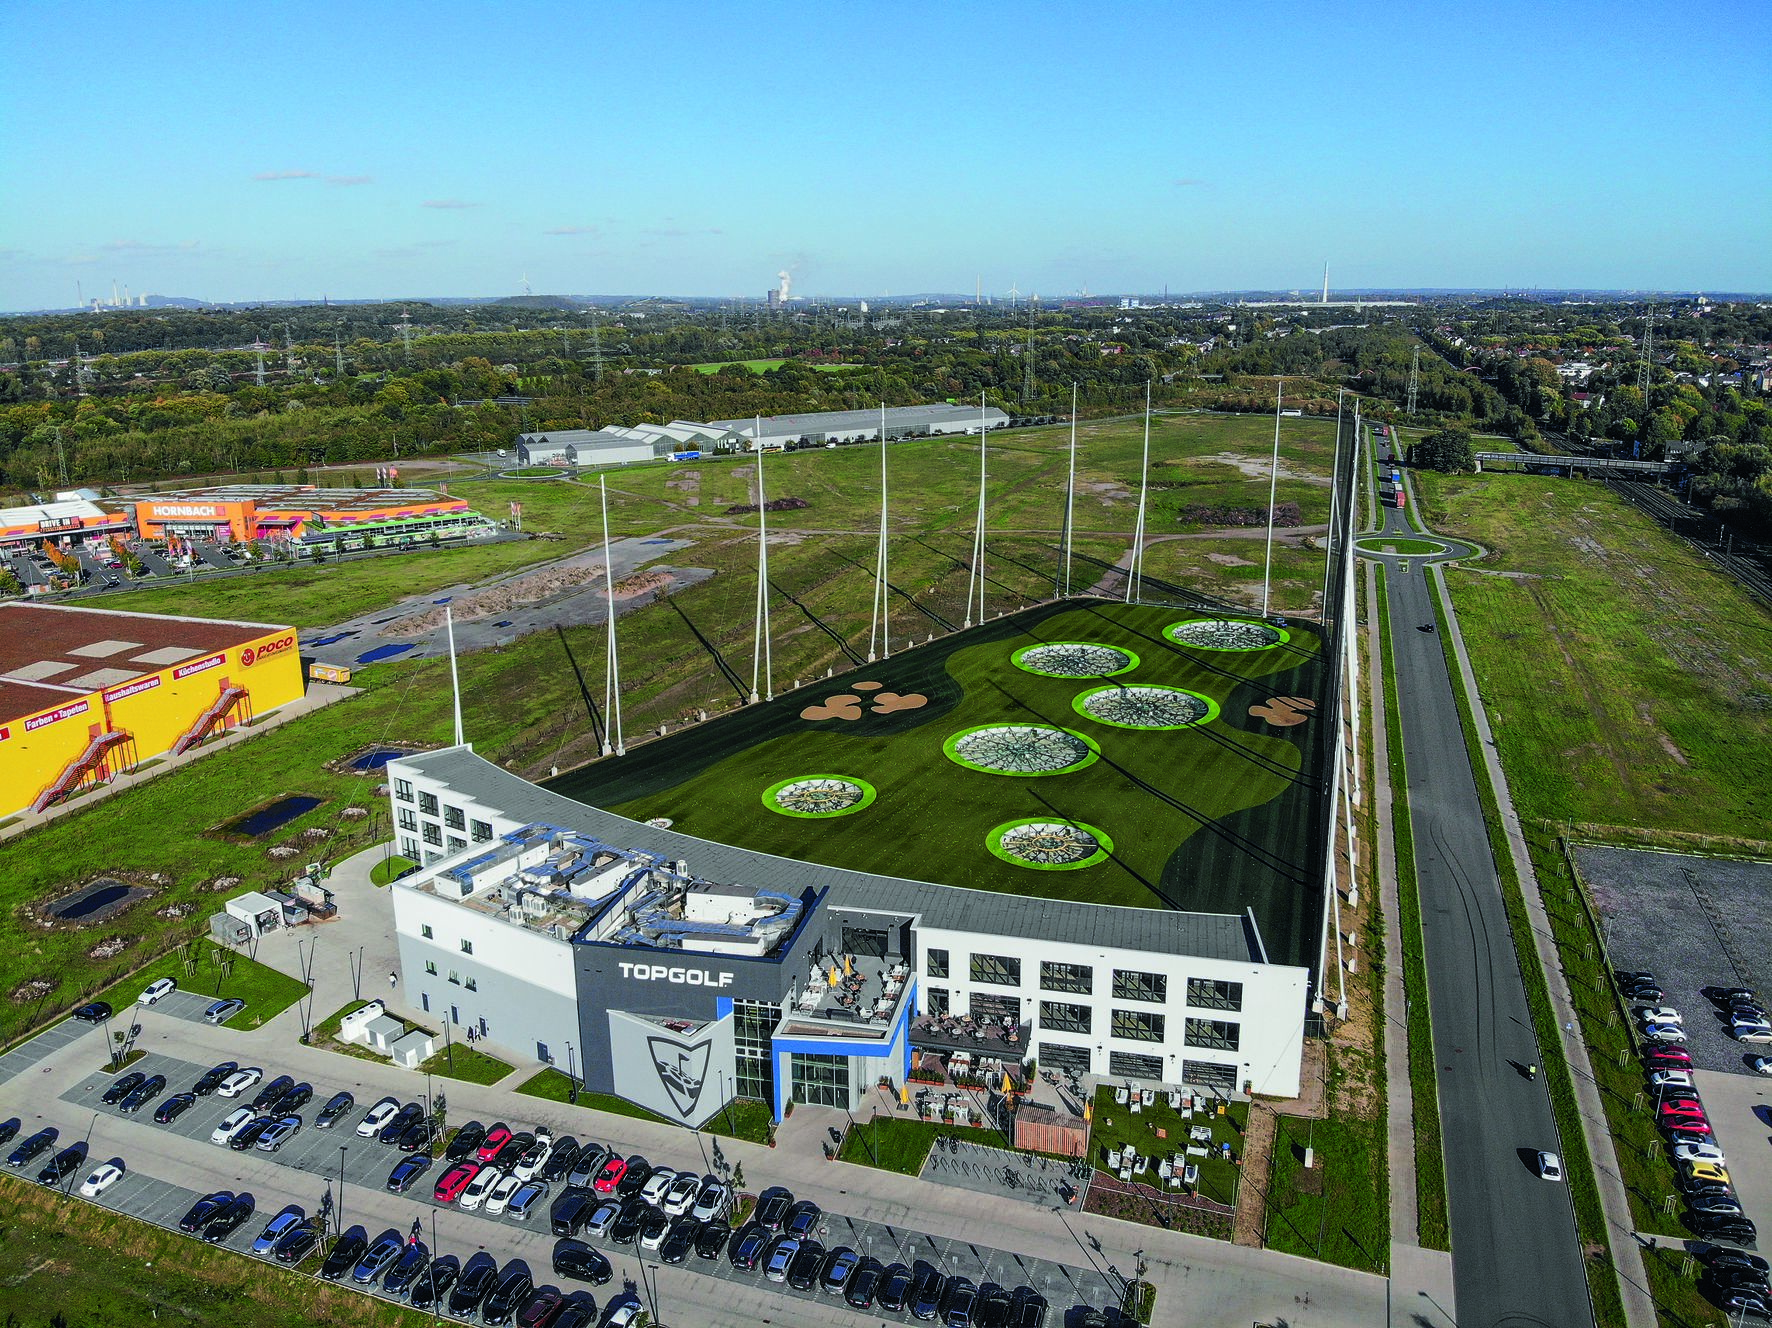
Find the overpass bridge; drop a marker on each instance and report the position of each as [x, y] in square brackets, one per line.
[1545, 463]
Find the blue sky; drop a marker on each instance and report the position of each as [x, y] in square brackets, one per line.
[369, 150]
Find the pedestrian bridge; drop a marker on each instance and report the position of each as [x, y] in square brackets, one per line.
[1543, 463]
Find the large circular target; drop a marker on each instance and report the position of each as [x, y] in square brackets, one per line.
[1145, 707]
[1075, 659]
[1227, 634]
[1049, 845]
[1021, 749]
[819, 796]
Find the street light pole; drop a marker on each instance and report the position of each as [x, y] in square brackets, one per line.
[338, 1209]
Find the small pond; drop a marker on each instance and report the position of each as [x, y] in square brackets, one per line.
[272, 816]
[378, 758]
[104, 893]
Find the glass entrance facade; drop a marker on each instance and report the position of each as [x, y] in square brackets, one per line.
[820, 1080]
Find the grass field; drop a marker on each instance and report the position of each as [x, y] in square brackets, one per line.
[1234, 769]
[1338, 1211]
[467, 1064]
[1115, 1127]
[742, 1119]
[895, 1143]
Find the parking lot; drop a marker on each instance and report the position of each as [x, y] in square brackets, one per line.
[311, 1162]
[1694, 922]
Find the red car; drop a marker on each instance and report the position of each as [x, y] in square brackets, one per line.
[1681, 1106]
[454, 1181]
[496, 1138]
[610, 1176]
[1673, 1054]
[1687, 1124]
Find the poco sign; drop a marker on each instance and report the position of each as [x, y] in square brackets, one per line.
[682, 977]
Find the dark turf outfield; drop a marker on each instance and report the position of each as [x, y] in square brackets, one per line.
[1218, 817]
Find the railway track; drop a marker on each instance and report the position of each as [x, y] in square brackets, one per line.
[1747, 562]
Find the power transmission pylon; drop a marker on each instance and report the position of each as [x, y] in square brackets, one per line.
[258, 375]
[1414, 381]
[596, 349]
[1027, 361]
[338, 353]
[1648, 347]
[406, 333]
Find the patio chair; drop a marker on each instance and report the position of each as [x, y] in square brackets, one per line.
[1142, 1165]
[1113, 1159]
[1175, 1098]
[1191, 1177]
[1148, 1097]
[1120, 1095]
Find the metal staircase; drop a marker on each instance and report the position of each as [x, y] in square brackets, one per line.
[231, 696]
[96, 755]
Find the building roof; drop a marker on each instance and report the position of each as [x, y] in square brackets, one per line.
[60, 510]
[1206, 935]
[56, 651]
[897, 417]
[302, 497]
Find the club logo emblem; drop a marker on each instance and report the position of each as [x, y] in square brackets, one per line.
[682, 1069]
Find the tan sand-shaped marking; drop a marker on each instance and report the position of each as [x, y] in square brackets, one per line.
[867, 686]
[835, 707]
[1284, 711]
[886, 702]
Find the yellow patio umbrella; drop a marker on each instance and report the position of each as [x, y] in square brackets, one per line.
[904, 1095]
[848, 966]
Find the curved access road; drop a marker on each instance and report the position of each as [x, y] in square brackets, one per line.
[1516, 1258]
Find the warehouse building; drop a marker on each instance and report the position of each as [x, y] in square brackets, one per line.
[619, 444]
[854, 426]
[680, 974]
[87, 694]
[70, 518]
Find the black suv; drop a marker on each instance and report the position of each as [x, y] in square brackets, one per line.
[467, 1142]
[351, 1247]
[477, 1277]
[212, 1078]
[577, 1260]
[123, 1088]
[271, 1094]
[512, 1289]
[31, 1147]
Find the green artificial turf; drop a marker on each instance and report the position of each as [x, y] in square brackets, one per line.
[466, 1064]
[1206, 817]
[1392, 544]
[211, 970]
[1117, 1126]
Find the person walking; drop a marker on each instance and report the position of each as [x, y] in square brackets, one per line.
[393, 980]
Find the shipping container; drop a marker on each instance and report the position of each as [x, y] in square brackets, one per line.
[329, 673]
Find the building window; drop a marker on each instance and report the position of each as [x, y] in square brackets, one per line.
[865, 942]
[1070, 1060]
[998, 970]
[455, 818]
[1213, 1033]
[424, 930]
[482, 831]
[820, 1080]
[431, 967]
[542, 1053]
[1215, 995]
[935, 1000]
[1132, 986]
[1130, 1065]
[938, 963]
[427, 803]
[403, 790]
[753, 1024]
[424, 1000]
[408, 820]
[1078, 978]
[1210, 1074]
[457, 845]
[455, 977]
[409, 848]
[467, 947]
[1138, 1025]
[1063, 1017]
[433, 834]
[472, 984]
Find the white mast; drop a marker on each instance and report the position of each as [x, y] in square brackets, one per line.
[1070, 495]
[1273, 480]
[882, 624]
[612, 736]
[1135, 571]
[454, 678]
[977, 577]
[762, 656]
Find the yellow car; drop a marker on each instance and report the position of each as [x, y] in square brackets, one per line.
[1706, 1173]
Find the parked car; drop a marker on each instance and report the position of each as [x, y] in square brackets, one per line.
[781, 1254]
[415, 1138]
[561, 1158]
[511, 1290]
[534, 1157]
[1658, 1014]
[278, 1133]
[803, 1270]
[1705, 1173]
[336, 1108]
[577, 1260]
[295, 1099]
[401, 1121]
[863, 1283]
[653, 1227]
[1664, 1032]
[634, 1210]
[272, 1093]
[298, 1243]
[1760, 1064]
[212, 1078]
[957, 1301]
[711, 1239]
[477, 1276]
[542, 1307]
[237, 1082]
[679, 1241]
[680, 1197]
[1028, 1309]
[580, 1311]
[802, 1219]
[222, 1011]
[376, 1259]
[657, 1185]
[495, 1138]
[467, 1140]
[229, 1219]
[174, 1107]
[1758, 1032]
[602, 1220]
[526, 1200]
[1719, 1226]
[839, 1266]
[512, 1149]
[9, 1129]
[431, 1286]
[499, 1196]
[895, 1288]
[198, 1214]
[711, 1201]
[1699, 1153]
[927, 1284]
[230, 1125]
[277, 1228]
[622, 1311]
[145, 1092]
[406, 1174]
[94, 1012]
[609, 1175]
[123, 1087]
[634, 1178]
[1670, 1058]
[102, 1178]
[249, 1134]
[37, 1143]
[1670, 1079]
[404, 1271]
[156, 991]
[377, 1116]
[746, 1248]
[62, 1165]
[485, 1180]
[451, 1184]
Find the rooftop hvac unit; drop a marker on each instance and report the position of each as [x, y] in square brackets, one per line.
[535, 904]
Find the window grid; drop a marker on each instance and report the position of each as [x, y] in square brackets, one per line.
[1138, 1025]
[1214, 994]
[408, 819]
[938, 963]
[1076, 978]
[1214, 1033]
[482, 831]
[1063, 1017]
[1130, 985]
[424, 930]
[455, 818]
[427, 803]
[403, 790]
[433, 834]
[997, 970]
[467, 946]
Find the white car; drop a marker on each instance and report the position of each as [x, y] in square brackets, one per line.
[653, 1192]
[500, 1196]
[1699, 1153]
[101, 1180]
[484, 1180]
[238, 1082]
[681, 1195]
[231, 1124]
[152, 993]
[622, 1314]
[1658, 1014]
[1761, 1064]
[1550, 1166]
[536, 1157]
[379, 1115]
[711, 1202]
[1671, 1079]
[1664, 1033]
[1754, 1032]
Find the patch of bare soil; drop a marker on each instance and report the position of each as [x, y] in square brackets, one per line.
[1256, 468]
[502, 598]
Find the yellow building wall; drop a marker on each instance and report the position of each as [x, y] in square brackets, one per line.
[157, 709]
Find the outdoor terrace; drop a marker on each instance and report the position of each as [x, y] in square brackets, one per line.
[849, 995]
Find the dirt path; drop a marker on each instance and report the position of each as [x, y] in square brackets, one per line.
[1258, 1165]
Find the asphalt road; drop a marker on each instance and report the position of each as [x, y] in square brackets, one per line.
[1516, 1260]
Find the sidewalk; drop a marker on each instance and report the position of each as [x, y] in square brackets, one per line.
[1639, 1304]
